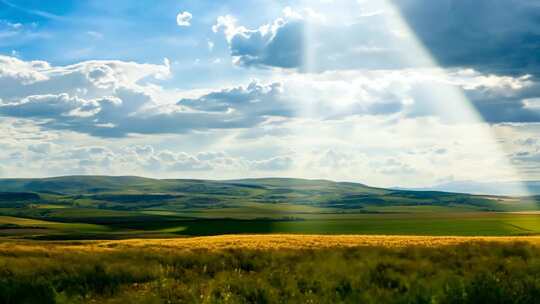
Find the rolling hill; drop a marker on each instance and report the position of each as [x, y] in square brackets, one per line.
[133, 193]
[127, 206]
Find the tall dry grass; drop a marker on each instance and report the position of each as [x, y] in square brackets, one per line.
[273, 269]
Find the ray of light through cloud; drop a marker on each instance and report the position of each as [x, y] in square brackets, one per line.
[343, 90]
[446, 101]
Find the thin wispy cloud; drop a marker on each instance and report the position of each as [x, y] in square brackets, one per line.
[39, 13]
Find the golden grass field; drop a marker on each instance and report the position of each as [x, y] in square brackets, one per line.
[273, 268]
[259, 242]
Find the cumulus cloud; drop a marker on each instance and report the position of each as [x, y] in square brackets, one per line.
[89, 79]
[86, 97]
[335, 43]
[176, 162]
[500, 99]
[140, 159]
[279, 44]
[115, 99]
[346, 149]
[51, 106]
[371, 108]
[260, 99]
[112, 99]
[417, 93]
[184, 19]
[375, 35]
[42, 148]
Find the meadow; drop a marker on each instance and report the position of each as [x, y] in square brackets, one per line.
[136, 240]
[272, 269]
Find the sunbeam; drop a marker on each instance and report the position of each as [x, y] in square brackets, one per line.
[436, 98]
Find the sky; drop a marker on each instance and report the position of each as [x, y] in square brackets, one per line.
[409, 93]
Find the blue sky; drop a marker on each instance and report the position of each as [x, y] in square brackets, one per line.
[407, 93]
[67, 32]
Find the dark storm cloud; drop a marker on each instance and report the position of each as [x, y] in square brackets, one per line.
[501, 37]
[507, 110]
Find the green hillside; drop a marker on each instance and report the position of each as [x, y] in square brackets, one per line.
[134, 206]
[133, 193]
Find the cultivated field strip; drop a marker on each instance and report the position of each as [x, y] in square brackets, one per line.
[258, 242]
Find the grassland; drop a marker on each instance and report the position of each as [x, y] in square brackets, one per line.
[94, 207]
[133, 226]
[273, 269]
[136, 240]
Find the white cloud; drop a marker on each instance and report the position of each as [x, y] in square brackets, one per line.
[278, 44]
[95, 35]
[228, 24]
[211, 45]
[532, 103]
[42, 148]
[9, 30]
[278, 163]
[184, 19]
[348, 149]
[347, 125]
[115, 98]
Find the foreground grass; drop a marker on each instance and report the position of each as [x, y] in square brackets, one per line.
[273, 269]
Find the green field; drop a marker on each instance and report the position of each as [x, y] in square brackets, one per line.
[94, 207]
[466, 224]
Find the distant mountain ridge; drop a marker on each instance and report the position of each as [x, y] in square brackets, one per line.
[102, 199]
[96, 184]
[514, 188]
